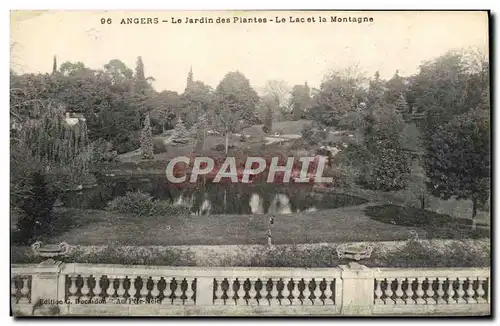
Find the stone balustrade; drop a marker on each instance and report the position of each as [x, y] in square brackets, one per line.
[88, 289]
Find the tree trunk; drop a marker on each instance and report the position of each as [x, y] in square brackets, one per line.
[422, 202]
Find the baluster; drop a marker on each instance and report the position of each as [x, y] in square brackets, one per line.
[440, 291]
[430, 292]
[167, 292]
[73, 289]
[144, 288]
[329, 300]
[120, 292]
[177, 291]
[296, 292]
[450, 292]
[460, 290]
[470, 291]
[480, 290]
[378, 292]
[84, 290]
[409, 292]
[24, 291]
[219, 292]
[110, 291]
[399, 291]
[274, 293]
[317, 292]
[252, 292]
[306, 293]
[388, 292]
[420, 292]
[189, 292]
[155, 291]
[96, 291]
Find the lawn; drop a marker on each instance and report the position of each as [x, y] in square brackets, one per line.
[346, 224]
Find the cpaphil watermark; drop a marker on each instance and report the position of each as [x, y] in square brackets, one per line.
[302, 170]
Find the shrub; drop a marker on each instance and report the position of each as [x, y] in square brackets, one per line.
[36, 211]
[222, 147]
[133, 202]
[435, 224]
[142, 204]
[159, 146]
[418, 254]
[243, 138]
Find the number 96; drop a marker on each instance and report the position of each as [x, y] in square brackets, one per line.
[106, 20]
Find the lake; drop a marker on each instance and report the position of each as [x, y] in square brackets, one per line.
[213, 198]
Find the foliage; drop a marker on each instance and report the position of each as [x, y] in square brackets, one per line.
[458, 158]
[383, 163]
[341, 92]
[235, 103]
[434, 224]
[147, 140]
[418, 254]
[36, 210]
[159, 146]
[268, 122]
[180, 132]
[313, 134]
[143, 204]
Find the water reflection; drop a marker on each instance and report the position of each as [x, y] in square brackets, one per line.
[213, 199]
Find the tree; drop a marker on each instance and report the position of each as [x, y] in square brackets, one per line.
[235, 103]
[448, 86]
[402, 105]
[142, 85]
[395, 88]
[196, 100]
[383, 163]
[300, 100]
[268, 122]
[458, 158]
[180, 132]
[341, 92]
[54, 66]
[189, 78]
[147, 140]
[165, 106]
[278, 91]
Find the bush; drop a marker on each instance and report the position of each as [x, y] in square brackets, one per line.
[222, 147]
[418, 254]
[436, 225]
[159, 146]
[36, 211]
[142, 204]
[243, 138]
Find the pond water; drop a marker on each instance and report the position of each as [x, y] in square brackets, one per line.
[213, 198]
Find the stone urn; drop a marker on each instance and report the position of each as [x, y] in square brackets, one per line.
[50, 250]
[354, 251]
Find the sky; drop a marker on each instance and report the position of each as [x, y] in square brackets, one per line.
[292, 51]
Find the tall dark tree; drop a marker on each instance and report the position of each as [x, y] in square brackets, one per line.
[300, 101]
[54, 65]
[235, 103]
[458, 158]
[189, 82]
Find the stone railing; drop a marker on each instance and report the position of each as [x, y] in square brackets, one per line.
[83, 289]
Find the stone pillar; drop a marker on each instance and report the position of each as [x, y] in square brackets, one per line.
[357, 289]
[45, 288]
[205, 291]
